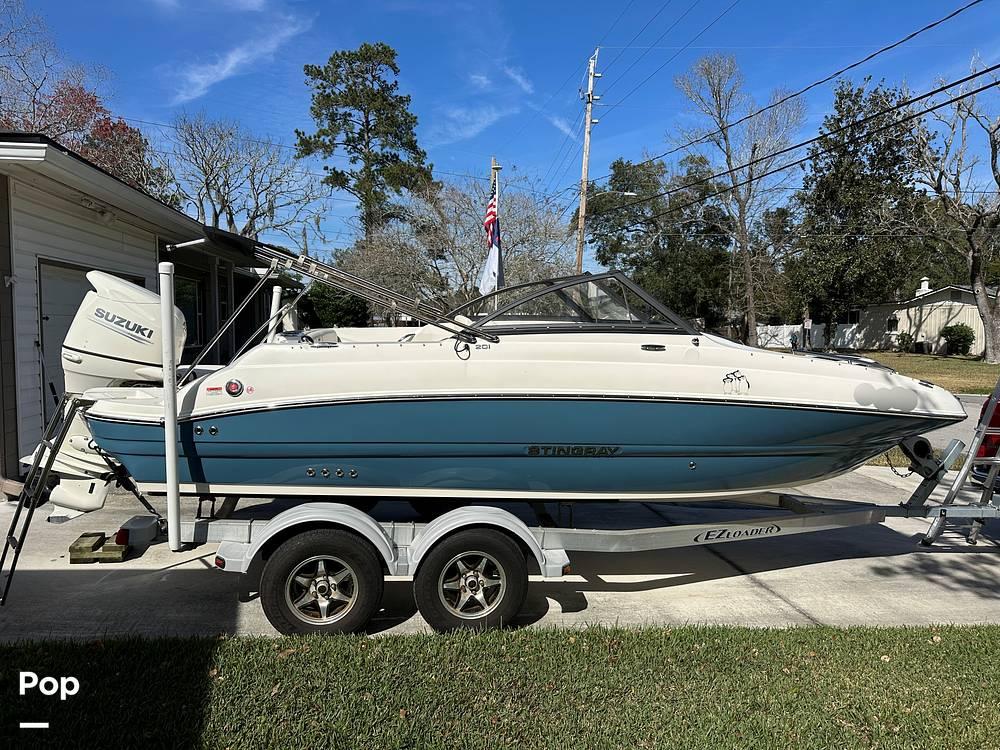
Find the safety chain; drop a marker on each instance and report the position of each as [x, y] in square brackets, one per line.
[897, 472]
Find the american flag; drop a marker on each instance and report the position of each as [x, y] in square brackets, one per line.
[491, 277]
[491, 223]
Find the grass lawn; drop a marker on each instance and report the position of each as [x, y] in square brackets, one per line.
[957, 374]
[691, 687]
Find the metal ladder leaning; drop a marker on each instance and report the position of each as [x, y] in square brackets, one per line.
[34, 486]
[988, 497]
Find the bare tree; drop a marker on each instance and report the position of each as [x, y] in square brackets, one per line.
[40, 91]
[962, 206]
[246, 185]
[437, 247]
[715, 87]
[450, 228]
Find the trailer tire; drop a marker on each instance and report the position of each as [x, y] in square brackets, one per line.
[321, 581]
[454, 587]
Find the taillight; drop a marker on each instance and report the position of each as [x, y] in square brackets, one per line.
[991, 443]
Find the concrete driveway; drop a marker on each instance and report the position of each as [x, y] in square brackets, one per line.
[875, 575]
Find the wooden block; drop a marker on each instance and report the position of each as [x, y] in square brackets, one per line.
[94, 547]
[88, 541]
[110, 553]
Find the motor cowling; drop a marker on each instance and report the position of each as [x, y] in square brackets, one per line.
[115, 337]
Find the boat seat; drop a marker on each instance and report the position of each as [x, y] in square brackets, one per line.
[324, 335]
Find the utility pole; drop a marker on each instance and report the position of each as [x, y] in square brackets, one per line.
[589, 120]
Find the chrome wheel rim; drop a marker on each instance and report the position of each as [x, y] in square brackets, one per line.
[472, 585]
[321, 590]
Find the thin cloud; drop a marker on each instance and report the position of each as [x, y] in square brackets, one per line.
[562, 126]
[480, 81]
[198, 78]
[520, 79]
[462, 123]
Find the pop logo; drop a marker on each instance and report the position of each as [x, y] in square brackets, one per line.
[48, 686]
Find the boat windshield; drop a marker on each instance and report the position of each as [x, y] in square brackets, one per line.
[606, 302]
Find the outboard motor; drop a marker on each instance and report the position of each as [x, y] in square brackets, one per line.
[114, 341]
[115, 337]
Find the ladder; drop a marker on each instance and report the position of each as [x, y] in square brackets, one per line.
[35, 484]
[988, 500]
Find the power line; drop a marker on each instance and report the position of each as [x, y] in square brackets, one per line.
[569, 136]
[561, 87]
[551, 96]
[278, 144]
[841, 235]
[637, 60]
[682, 49]
[574, 148]
[569, 165]
[804, 159]
[615, 22]
[811, 86]
[637, 34]
[816, 139]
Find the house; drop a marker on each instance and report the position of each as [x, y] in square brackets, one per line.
[878, 326]
[60, 217]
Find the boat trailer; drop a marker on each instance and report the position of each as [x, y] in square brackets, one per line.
[321, 566]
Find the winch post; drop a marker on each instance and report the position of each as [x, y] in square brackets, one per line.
[166, 271]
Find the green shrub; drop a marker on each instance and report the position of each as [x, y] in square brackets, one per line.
[959, 338]
[905, 342]
[325, 307]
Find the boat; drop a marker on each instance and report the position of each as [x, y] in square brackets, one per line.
[576, 388]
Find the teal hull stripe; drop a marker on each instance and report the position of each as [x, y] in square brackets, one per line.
[544, 445]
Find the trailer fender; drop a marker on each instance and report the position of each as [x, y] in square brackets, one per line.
[477, 516]
[330, 514]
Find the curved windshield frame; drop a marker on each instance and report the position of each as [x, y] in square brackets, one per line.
[598, 302]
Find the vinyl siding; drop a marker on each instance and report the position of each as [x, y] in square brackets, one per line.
[8, 382]
[49, 227]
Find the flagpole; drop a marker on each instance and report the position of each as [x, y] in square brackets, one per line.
[495, 174]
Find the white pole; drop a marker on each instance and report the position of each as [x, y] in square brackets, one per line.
[170, 405]
[272, 327]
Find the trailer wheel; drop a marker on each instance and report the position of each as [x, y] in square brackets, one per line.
[473, 580]
[321, 581]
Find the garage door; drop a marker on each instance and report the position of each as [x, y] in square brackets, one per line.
[61, 289]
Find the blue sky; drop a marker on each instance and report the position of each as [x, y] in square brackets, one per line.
[500, 78]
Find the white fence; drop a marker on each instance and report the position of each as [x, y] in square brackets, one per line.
[848, 336]
[780, 337]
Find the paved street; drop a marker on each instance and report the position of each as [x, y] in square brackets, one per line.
[963, 430]
[866, 575]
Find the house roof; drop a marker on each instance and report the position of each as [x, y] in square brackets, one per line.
[948, 287]
[38, 153]
[25, 153]
[924, 296]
